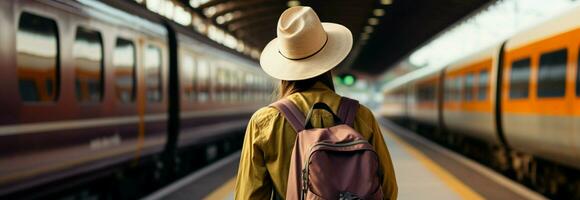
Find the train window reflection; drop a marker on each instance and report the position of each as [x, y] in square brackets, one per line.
[457, 89]
[28, 90]
[243, 86]
[153, 73]
[235, 86]
[218, 85]
[426, 93]
[203, 81]
[448, 89]
[256, 88]
[231, 86]
[226, 85]
[124, 63]
[520, 79]
[88, 55]
[469, 83]
[482, 85]
[552, 74]
[248, 87]
[188, 77]
[37, 67]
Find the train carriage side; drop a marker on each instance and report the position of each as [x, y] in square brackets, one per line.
[214, 92]
[540, 91]
[91, 97]
[394, 106]
[414, 97]
[468, 103]
[423, 97]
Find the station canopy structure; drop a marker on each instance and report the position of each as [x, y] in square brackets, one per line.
[384, 30]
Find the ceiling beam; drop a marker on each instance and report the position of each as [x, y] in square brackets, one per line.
[254, 21]
[276, 11]
[258, 12]
[231, 6]
[211, 3]
[267, 28]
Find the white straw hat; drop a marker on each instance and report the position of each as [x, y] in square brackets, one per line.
[305, 47]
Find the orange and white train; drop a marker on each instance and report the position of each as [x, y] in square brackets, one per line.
[517, 103]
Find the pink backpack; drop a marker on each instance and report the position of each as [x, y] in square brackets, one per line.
[330, 163]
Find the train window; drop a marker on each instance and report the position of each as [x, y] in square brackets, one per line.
[88, 55]
[188, 77]
[203, 74]
[233, 86]
[124, 65]
[261, 88]
[230, 86]
[226, 85]
[242, 86]
[552, 74]
[457, 88]
[256, 88]
[520, 79]
[248, 87]
[153, 73]
[426, 93]
[37, 67]
[448, 89]
[267, 90]
[220, 84]
[469, 85]
[482, 85]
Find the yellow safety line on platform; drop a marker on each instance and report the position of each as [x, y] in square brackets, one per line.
[223, 191]
[463, 190]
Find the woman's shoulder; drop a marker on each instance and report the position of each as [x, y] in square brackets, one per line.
[365, 118]
[264, 115]
[365, 112]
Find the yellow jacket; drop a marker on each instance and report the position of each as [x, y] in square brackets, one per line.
[269, 140]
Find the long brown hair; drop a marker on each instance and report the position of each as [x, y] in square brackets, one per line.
[289, 87]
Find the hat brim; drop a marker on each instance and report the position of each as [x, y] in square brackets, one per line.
[337, 47]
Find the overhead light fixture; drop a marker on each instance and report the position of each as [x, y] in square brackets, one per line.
[365, 36]
[368, 29]
[196, 3]
[386, 2]
[193, 3]
[379, 12]
[293, 3]
[220, 20]
[373, 21]
[228, 16]
[209, 11]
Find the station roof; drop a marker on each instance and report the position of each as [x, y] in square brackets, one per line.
[397, 26]
[400, 26]
[406, 26]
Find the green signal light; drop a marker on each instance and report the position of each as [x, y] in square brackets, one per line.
[348, 80]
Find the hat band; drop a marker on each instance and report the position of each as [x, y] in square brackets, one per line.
[325, 41]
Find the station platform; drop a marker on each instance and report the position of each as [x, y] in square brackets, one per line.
[424, 170]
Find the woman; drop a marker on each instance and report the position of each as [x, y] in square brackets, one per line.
[302, 57]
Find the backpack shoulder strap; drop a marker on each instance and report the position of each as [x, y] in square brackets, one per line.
[347, 110]
[291, 113]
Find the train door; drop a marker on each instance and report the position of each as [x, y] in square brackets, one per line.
[554, 96]
[537, 100]
[152, 98]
